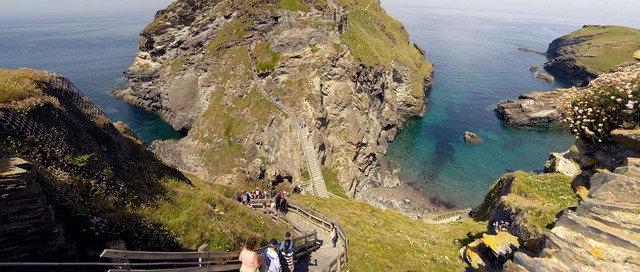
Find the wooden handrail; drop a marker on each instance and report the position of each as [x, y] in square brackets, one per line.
[151, 255]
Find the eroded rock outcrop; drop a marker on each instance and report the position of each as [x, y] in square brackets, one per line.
[211, 69]
[532, 108]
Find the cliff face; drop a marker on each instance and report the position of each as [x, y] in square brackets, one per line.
[588, 52]
[211, 69]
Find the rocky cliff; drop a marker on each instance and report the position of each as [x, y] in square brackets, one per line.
[588, 52]
[600, 234]
[344, 68]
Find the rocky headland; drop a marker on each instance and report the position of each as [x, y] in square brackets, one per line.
[345, 69]
[592, 50]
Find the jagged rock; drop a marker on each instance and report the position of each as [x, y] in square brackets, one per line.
[562, 163]
[545, 76]
[532, 108]
[603, 234]
[469, 254]
[471, 138]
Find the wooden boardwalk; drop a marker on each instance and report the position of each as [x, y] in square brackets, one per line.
[320, 259]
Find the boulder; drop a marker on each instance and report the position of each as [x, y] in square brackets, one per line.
[502, 244]
[636, 55]
[562, 163]
[629, 138]
[471, 138]
[532, 108]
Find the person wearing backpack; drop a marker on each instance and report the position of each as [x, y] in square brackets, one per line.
[272, 260]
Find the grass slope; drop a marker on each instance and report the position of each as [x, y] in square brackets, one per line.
[204, 213]
[537, 197]
[375, 38]
[389, 241]
[606, 47]
[21, 84]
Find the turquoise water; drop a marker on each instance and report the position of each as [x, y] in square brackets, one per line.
[93, 53]
[477, 65]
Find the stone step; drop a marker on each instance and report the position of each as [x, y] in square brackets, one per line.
[600, 232]
[619, 188]
[617, 215]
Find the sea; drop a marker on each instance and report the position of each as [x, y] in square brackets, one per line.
[93, 52]
[477, 65]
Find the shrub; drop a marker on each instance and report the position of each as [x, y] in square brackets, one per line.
[608, 103]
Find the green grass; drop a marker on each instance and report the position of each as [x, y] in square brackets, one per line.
[333, 185]
[204, 213]
[21, 84]
[176, 65]
[305, 175]
[232, 32]
[266, 58]
[389, 241]
[377, 39]
[537, 197]
[293, 5]
[607, 47]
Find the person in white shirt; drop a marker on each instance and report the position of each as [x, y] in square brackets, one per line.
[272, 254]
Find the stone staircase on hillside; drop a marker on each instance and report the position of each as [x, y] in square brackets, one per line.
[602, 234]
[317, 184]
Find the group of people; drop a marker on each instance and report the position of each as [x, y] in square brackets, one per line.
[275, 258]
[246, 196]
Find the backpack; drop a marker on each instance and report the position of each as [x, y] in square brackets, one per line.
[267, 260]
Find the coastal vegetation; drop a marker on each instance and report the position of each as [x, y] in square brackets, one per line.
[608, 103]
[390, 241]
[532, 199]
[203, 212]
[375, 38]
[20, 84]
[293, 5]
[603, 48]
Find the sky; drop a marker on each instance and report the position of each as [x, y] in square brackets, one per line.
[10, 9]
[621, 12]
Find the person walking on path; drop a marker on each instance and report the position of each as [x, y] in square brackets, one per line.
[334, 235]
[248, 257]
[287, 238]
[272, 256]
[278, 198]
[287, 256]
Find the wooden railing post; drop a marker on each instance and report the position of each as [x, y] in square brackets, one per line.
[119, 244]
[203, 248]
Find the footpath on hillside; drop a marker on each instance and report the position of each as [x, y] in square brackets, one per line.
[321, 258]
